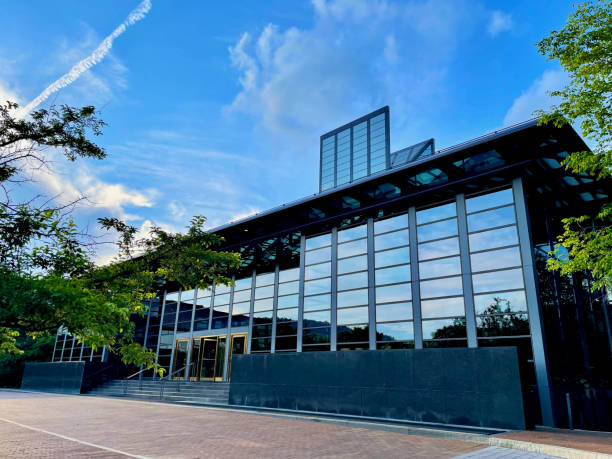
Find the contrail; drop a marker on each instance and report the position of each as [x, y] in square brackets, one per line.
[102, 50]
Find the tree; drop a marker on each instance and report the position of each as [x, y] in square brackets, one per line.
[47, 276]
[583, 47]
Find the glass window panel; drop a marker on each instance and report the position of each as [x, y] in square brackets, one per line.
[284, 315]
[444, 328]
[317, 319]
[393, 311]
[437, 230]
[352, 316]
[316, 335]
[221, 289]
[508, 279]
[262, 292]
[352, 248]
[441, 287]
[242, 295]
[436, 213]
[440, 267]
[392, 293]
[444, 307]
[399, 331]
[318, 241]
[352, 334]
[172, 296]
[495, 303]
[188, 296]
[318, 255]
[353, 298]
[399, 256]
[262, 317]
[243, 284]
[204, 293]
[261, 344]
[241, 308]
[496, 259]
[287, 275]
[220, 322]
[288, 301]
[391, 224]
[390, 240]
[320, 270]
[495, 238]
[240, 320]
[264, 279]
[349, 234]
[438, 249]
[317, 286]
[491, 218]
[312, 303]
[502, 325]
[286, 328]
[486, 201]
[286, 343]
[222, 299]
[262, 305]
[288, 287]
[392, 275]
[349, 265]
[350, 281]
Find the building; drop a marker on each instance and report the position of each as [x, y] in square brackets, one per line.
[414, 249]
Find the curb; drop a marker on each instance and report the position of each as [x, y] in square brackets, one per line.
[550, 450]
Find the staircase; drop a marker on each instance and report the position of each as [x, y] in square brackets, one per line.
[190, 392]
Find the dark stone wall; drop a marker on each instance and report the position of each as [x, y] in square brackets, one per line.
[477, 387]
[53, 376]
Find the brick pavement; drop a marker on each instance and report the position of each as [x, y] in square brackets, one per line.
[597, 442]
[172, 431]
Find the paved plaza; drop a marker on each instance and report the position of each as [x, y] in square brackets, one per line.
[34, 425]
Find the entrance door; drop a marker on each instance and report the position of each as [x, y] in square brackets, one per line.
[180, 358]
[208, 363]
[208, 355]
[239, 346]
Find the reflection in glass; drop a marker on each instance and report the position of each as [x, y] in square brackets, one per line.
[262, 317]
[241, 284]
[220, 299]
[486, 201]
[289, 287]
[392, 275]
[349, 234]
[350, 281]
[391, 224]
[393, 257]
[390, 240]
[353, 298]
[399, 331]
[286, 343]
[316, 335]
[318, 255]
[285, 315]
[318, 241]
[438, 249]
[264, 279]
[509, 279]
[491, 218]
[494, 303]
[317, 286]
[393, 311]
[316, 271]
[349, 265]
[287, 275]
[352, 316]
[394, 293]
[286, 328]
[351, 334]
[241, 308]
[317, 319]
[439, 268]
[496, 259]
[441, 287]
[438, 230]
[502, 325]
[288, 301]
[243, 295]
[436, 213]
[261, 292]
[494, 238]
[444, 328]
[312, 303]
[349, 249]
[262, 305]
[443, 307]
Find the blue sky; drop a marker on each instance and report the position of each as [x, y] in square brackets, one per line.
[216, 108]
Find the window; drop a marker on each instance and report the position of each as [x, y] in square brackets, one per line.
[317, 294]
[263, 315]
[287, 310]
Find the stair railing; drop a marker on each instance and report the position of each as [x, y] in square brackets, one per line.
[125, 383]
[168, 378]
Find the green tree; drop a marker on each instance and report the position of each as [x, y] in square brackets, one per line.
[47, 277]
[583, 47]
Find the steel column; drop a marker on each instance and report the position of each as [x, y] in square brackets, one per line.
[466, 272]
[414, 279]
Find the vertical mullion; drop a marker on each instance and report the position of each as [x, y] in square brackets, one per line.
[81, 353]
[63, 345]
[335, 160]
[334, 288]
[251, 312]
[351, 154]
[371, 280]
[368, 146]
[146, 334]
[229, 326]
[466, 272]
[55, 344]
[274, 308]
[414, 279]
[300, 331]
[533, 306]
[212, 305]
[188, 361]
[176, 315]
[161, 324]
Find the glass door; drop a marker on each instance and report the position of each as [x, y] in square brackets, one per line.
[220, 358]
[180, 358]
[209, 358]
[239, 346]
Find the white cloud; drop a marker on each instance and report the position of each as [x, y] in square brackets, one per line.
[7, 94]
[499, 22]
[535, 97]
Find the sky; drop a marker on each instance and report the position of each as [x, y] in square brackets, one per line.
[216, 108]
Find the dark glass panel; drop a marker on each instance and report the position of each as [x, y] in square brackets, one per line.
[316, 335]
[262, 330]
[353, 334]
[262, 317]
[261, 344]
[445, 343]
[502, 325]
[240, 320]
[386, 345]
[286, 328]
[220, 322]
[397, 331]
[316, 348]
[200, 324]
[317, 319]
[444, 328]
[286, 343]
[495, 303]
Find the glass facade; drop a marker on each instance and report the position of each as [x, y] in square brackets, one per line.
[355, 150]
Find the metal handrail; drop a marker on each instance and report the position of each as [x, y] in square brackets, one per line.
[167, 378]
[125, 385]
